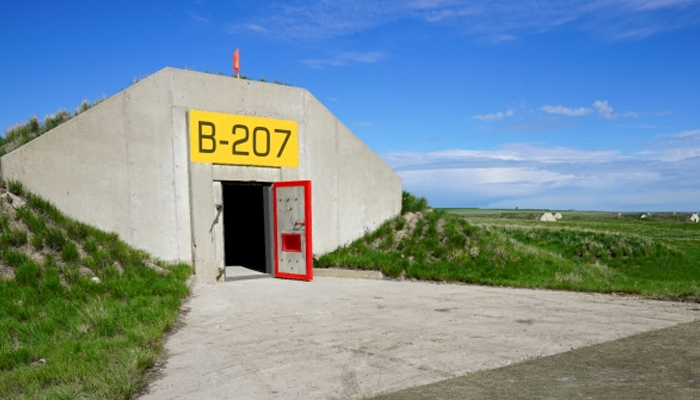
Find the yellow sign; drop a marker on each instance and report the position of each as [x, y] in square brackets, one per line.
[243, 140]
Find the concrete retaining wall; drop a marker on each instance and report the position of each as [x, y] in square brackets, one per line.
[124, 166]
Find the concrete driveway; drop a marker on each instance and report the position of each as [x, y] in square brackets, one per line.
[350, 338]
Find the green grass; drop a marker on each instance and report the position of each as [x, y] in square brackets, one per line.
[585, 251]
[62, 335]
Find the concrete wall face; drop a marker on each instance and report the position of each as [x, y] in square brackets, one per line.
[124, 166]
[112, 167]
[360, 188]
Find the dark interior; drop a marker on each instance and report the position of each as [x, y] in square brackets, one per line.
[244, 225]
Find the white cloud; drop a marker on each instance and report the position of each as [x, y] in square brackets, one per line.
[602, 107]
[518, 152]
[492, 20]
[557, 177]
[569, 112]
[494, 116]
[695, 133]
[346, 58]
[645, 5]
[677, 147]
[195, 16]
[633, 34]
[257, 28]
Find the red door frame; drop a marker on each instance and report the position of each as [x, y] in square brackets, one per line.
[307, 230]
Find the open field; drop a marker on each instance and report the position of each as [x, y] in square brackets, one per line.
[670, 230]
[670, 227]
[571, 215]
[585, 251]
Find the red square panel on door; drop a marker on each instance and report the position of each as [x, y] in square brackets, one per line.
[291, 242]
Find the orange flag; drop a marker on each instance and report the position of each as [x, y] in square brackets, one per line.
[236, 62]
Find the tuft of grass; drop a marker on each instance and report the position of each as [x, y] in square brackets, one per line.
[63, 335]
[54, 238]
[14, 238]
[16, 188]
[411, 203]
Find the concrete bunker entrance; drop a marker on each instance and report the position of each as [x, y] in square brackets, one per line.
[247, 227]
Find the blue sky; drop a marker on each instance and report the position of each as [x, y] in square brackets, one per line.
[590, 105]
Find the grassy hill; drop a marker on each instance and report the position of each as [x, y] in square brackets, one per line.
[658, 256]
[82, 314]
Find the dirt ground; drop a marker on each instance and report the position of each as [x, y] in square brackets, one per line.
[351, 339]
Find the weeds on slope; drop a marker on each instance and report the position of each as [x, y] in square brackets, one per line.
[432, 244]
[81, 312]
[22, 134]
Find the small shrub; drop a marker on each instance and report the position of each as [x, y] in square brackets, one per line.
[69, 253]
[35, 223]
[84, 106]
[55, 239]
[27, 273]
[418, 230]
[388, 242]
[410, 203]
[71, 273]
[90, 246]
[456, 239]
[41, 205]
[37, 241]
[14, 237]
[15, 258]
[55, 120]
[78, 231]
[16, 188]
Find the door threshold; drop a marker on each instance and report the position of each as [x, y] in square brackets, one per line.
[240, 273]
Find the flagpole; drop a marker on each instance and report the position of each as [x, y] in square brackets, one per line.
[236, 65]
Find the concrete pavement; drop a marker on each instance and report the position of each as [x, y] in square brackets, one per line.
[350, 338]
[660, 364]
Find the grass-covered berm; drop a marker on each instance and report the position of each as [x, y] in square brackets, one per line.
[82, 314]
[592, 252]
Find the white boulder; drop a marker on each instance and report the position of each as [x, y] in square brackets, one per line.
[16, 201]
[547, 217]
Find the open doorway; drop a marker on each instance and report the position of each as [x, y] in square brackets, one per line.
[247, 227]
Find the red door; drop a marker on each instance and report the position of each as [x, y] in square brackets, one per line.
[292, 225]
